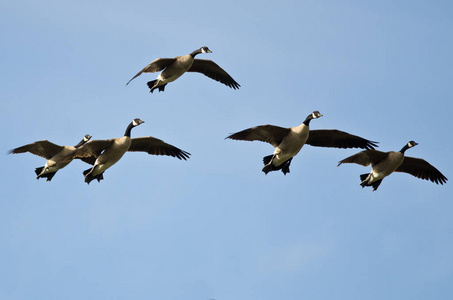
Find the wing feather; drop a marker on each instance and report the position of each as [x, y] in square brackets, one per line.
[213, 71]
[365, 158]
[420, 168]
[155, 66]
[338, 139]
[265, 133]
[91, 150]
[155, 146]
[42, 148]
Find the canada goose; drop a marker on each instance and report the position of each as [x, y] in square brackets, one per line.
[385, 163]
[289, 141]
[54, 154]
[108, 152]
[175, 67]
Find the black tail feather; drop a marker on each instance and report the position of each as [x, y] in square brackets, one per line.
[39, 170]
[365, 182]
[267, 159]
[151, 85]
[49, 176]
[268, 166]
[376, 184]
[89, 176]
[363, 177]
[285, 166]
[86, 172]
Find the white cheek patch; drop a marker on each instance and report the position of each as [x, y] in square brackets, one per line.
[315, 116]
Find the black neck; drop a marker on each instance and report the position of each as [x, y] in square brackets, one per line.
[128, 130]
[80, 143]
[404, 148]
[308, 119]
[193, 54]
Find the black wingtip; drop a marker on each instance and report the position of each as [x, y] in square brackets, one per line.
[184, 155]
[371, 144]
[234, 85]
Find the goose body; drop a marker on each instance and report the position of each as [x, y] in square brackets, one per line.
[289, 141]
[180, 65]
[111, 155]
[290, 145]
[106, 153]
[173, 68]
[385, 163]
[385, 167]
[54, 154]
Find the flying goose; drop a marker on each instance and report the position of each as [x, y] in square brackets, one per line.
[289, 141]
[54, 154]
[176, 67]
[385, 163]
[108, 152]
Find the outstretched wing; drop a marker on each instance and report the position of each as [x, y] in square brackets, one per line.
[155, 66]
[338, 139]
[265, 133]
[90, 151]
[365, 158]
[420, 168]
[42, 148]
[89, 160]
[155, 146]
[213, 71]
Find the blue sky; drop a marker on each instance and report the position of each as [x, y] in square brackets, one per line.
[215, 227]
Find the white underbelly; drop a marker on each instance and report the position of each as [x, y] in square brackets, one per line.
[376, 176]
[100, 168]
[282, 156]
[53, 166]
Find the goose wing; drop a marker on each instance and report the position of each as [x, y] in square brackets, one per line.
[42, 148]
[91, 150]
[155, 146]
[213, 71]
[155, 66]
[265, 133]
[365, 158]
[338, 139]
[422, 169]
[89, 160]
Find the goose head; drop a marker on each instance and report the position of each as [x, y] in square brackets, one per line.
[316, 114]
[85, 139]
[408, 145]
[137, 122]
[205, 49]
[411, 144]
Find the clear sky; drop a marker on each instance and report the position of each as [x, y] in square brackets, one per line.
[215, 227]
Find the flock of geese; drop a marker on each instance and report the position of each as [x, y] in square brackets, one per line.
[102, 154]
